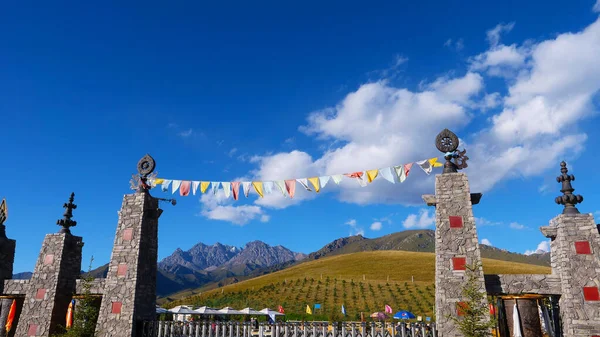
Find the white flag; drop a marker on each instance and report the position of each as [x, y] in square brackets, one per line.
[323, 181]
[304, 183]
[226, 188]
[195, 185]
[215, 186]
[268, 186]
[175, 186]
[246, 185]
[337, 178]
[425, 166]
[165, 185]
[386, 173]
[281, 185]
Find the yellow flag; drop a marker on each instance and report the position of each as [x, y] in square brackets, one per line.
[258, 187]
[308, 311]
[372, 174]
[315, 182]
[158, 181]
[204, 186]
[434, 163]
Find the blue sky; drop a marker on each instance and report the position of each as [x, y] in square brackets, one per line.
[275, 91]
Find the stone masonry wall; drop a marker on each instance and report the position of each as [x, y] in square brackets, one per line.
[576, 257]
[52, 285]
[456, 244]
[131, 279]
[515, 284]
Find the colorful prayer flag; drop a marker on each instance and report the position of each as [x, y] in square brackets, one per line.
[372, 174]
[11, 315]
[184, 189]
[315, 182]
[388, 309]
[70, 314]
[290, 186]
[204, 186]
[343, 310]
[235, 188]
[308, 311]
[258, 187]
[280, 309]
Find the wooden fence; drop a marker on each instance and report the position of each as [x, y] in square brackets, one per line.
[306, 329]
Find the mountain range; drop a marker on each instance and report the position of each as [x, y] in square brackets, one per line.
[211, 266]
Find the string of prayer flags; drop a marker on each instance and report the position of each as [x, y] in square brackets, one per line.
[258, 187]
[288, 187]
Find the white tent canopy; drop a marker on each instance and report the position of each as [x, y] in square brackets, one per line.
[160, 310]
[229, 311]
[268, 311]
[182, 310]
[207, 311]
[250, 311]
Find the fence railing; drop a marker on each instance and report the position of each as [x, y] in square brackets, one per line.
[306, 329]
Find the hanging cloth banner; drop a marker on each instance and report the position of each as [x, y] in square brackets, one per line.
[235, 187]
[282, 187]
[372, 174]
[204, 186]
[386, 173]
[226, 188]
[175, 186]
[323, 181]
[304, 183]
[268, 185]
[214, 185]
[288, 187]
[184, 189]
[337, 178]
[246, 186]
[258, 187]
[315, 182]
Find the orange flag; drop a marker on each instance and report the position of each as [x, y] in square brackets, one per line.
[70, 314]
[11, 315]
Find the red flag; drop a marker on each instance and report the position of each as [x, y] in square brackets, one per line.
[492, 310]
[235, 188]
[354, 175]
[281, 311]
[407, 168]
[11, 315]
[184, 189]
[388, 309]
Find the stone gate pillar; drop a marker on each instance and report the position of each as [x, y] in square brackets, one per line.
[456, 242]
[7, 259]
[129, 295]
[575, 254]
[53, 282]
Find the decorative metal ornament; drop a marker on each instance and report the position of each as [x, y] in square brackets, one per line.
[568, 199]
[66, 221]
[3, 212]
[446, 141]
[460, 159]
[146, 165]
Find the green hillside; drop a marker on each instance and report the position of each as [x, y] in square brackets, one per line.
[363, 281]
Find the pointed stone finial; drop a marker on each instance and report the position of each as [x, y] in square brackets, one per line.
[66, 221]
[568, 199]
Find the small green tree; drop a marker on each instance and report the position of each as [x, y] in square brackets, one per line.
[86, 311]
[475, 311]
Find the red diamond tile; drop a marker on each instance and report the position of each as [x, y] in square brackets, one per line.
[122, 269]
[39, 295]
[459, 263]
[456, 221]
[116, 307]
[32, 331]
[583, 247]
[48, 259]
[127, 234]
[591, 294]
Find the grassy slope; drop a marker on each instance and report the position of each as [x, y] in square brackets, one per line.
[387, 280]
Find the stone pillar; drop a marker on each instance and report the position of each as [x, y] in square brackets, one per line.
[575, 251]
[456, 245]
[52, 285]
[129, 295]
[7, 259]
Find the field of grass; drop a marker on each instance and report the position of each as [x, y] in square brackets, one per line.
[363, 282]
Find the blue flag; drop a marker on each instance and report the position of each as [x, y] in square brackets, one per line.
[317, 306]
[343, 310]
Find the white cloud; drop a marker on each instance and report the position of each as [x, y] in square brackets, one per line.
[543, 247]
[421, 220]
[481, 222]
[217, 207]
[457, 45]
[375, 226]
[515, 225]
[486, 242]
[596, 8]
[232, 152]
[186, 133]
[493, 35]
[354, 228]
